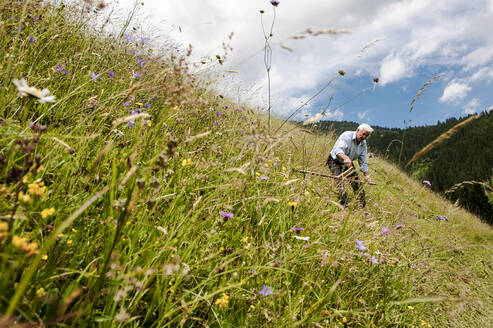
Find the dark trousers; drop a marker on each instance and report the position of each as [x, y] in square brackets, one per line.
[337, 168]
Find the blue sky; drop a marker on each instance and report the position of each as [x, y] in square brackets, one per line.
[403, 43]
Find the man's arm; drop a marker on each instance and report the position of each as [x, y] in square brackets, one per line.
[347, 161]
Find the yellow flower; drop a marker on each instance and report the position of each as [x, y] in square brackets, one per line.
[149, 123]
[223, 301]
[284, 168]
[22, 244]
[252, 307]
[410, 307]
[41, 292]
[244, 239]
[186, 162]
[69, 242]
[25, 198]
[257, 174]
[307, 193]
[140, 104]
[270, 161]
[74, 230]
[19, 242]
[60, 235]
[4, 228]
[344, 319]
[292, 204]
[47, 212]
[44, 257]
[266, 165]
[36, 188]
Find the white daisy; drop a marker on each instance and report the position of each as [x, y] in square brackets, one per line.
[24, 89]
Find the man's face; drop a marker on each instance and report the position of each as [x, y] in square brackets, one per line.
[361, 135]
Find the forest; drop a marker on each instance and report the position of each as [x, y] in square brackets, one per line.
[465, 157]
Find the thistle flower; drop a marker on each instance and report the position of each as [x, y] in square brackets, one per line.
[266, 291]
[24, 89]
[227, 215]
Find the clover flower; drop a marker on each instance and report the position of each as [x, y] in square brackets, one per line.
[266, 291]
[95, 77]
[24, 89]
[385, 230]
[227, 215]
[360, 246]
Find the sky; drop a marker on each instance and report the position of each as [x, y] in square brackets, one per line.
[404, 44]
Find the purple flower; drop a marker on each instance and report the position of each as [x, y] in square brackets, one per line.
[95, 76]
[227, 215]
[129, 37]
[266, 291]
[373, 259]
[32, 39]
[131, 123]
[275, 3]
[219, 114]
[399, 226]
[60, 68]
[140, 61]
[152, 98]
[147, 105]
[298, 229]
[216, 122]
[137, 75]
[144, 40]
[126, 104]
[385, 230]
[111, 74]
[360, 246]
[263, 177]
[237, 110]
[226, 106]
[442, 218]
[426, 182]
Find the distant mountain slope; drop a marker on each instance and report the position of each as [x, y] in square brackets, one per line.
[466, 156]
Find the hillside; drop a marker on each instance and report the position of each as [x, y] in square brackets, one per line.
[466, 156]
[137, 197]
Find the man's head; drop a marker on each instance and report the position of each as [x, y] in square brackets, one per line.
[363, 131]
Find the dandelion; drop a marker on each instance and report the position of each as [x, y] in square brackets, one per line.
[95, 77]
[385, 231]
[360, 246]
[223, 301]
[24, 89]
[426, 182]
[227, 215]
[111, 74]
[292, 204]
[373, 259]
[40, 292]
[266, 291]
[275, 3]
[36, 188]
[47, 212]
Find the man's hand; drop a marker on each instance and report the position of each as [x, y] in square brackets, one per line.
[347, 162]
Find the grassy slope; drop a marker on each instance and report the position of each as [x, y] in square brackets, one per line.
[152, 249]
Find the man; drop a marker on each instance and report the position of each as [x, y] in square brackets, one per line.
[349, 146]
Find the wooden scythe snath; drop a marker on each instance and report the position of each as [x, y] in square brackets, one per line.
[343, 175]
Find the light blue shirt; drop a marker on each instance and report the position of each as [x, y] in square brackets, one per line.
[347, 144]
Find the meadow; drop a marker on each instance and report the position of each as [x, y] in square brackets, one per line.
[132, 195]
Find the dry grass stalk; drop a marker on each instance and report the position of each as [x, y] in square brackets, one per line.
[464, 183]
[130, 118]
[69, 149]
[442, 137]
[422, 89]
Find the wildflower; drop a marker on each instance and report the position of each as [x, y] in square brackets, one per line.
[373, 259]
[219, 114]
[410, 307]
[385, 231]
[22, 244]
[292, 204]
[47, 212]
[360, 246]
[4, 228]
[344, 320]
[442, 218]
[140, 61]
[126, 104]
[426, 182]
[244, 239]
[148, 122]
[146, 106]
[44, 257]
[36, 188]
[257, 174]
[341, 72]
[263, 177]
[216, 122]
[137, 75]
[24, 89]
[32, 39]
[187, 162]
[60, 68]
[275, 3]
[375, 79]
[111, 74]
[128, 37]
[25, 198]
[95, 76]
[222, 301]
[41, 292]
[266, 291]
[69, 242]
[131, 123]
[284, 168]
[297, 229]
[227, 215]
[302, 238]
[307, 193]
[122, 315]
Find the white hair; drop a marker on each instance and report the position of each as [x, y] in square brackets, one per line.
[365, 127]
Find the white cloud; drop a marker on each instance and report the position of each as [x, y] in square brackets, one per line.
[362, 115]
[484, 74]
[336, 115]
[391, 70]
[454, 91]
[472, 106]
[479, 56]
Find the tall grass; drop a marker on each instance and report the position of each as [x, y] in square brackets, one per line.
[185, 218]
